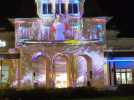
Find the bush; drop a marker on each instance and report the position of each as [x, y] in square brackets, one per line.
[83, 92]
[126, 90]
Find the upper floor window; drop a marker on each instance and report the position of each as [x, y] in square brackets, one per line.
[73, 8]
[47, 8]
[60, 8]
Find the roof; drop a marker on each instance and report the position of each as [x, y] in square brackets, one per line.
[6, 25]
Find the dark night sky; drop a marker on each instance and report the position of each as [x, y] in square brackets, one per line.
[121, 10]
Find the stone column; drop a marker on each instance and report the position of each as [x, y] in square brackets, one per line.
[74, 69]
[48, 73]
[106, 74]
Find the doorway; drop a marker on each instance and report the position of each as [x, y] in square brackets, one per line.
[39, 67]
[60, 69]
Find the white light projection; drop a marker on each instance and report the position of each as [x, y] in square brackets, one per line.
[60, 64]
[26, 81]
[82, 71]
[98, 62]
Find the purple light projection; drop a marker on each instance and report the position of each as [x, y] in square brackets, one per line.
[36, 55]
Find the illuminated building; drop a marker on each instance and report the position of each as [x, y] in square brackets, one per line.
[60, 49]
[9, 58]
[120, 60]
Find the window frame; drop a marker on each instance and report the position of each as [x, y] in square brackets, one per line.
[126, 71]
[71, 6]
[59, 6]
[48, 8]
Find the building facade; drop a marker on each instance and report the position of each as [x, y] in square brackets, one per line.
[9, 60]
[120, 59]
[60, 49]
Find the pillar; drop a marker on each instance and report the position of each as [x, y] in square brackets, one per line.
[74, 69]
[107, 74]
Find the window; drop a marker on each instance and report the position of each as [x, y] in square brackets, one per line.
[118, 78]
[73, 8]
[4, 73]
[47, 8]
[124, 76]
[129, 76]
[44, 8]
[60, 8]
[70, 8]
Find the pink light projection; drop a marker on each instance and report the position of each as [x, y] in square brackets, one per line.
[36, 55]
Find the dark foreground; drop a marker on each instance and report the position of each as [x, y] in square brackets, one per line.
[108, 98]
[86, 93]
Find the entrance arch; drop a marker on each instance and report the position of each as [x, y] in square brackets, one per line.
[84, 70]
[60, 68]
[40, 65]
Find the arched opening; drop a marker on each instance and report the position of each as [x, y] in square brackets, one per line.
[60, 70]
[83, 71]
[39, 72]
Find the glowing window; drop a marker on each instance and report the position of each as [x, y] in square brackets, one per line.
[4, 72]
[118, 78]
[124, 80]
[129, 76]
[124, 76]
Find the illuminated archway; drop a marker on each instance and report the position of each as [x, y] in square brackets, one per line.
[84, 64]
[60, 67]
[40, 66]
